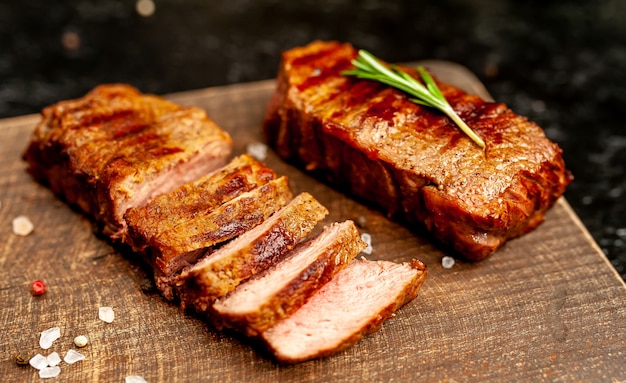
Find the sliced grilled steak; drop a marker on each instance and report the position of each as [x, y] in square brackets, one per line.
[373, 142]
[116, 148]
[248, 254]
[200, 197]
[354, 303]
[187, 240]
[150, 172]
[275, 293]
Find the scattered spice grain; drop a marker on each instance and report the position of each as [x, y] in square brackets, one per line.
[49, 372]
[53, 359]
[38, 361]
[38, 287]
[106, 314]
[367, 238]
[48, 337]
[135, 379]
[447, 262]
[81, 341]
[22, 226]
[21, 358]
[258, 150]
[72, 357]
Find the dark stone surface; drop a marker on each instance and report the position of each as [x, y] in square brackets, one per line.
[560, 63]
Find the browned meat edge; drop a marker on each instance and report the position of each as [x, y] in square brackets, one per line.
[200, 197]
[188, 240]
[115, 148]
[220, 272]
[311, 265]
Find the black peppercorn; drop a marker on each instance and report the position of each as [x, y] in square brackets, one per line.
[21, 358]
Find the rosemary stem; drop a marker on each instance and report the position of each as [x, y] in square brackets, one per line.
[463, 126]
[368, 67]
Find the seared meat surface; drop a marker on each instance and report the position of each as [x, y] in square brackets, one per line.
[354, 303]
[187, 240]
[412, 161]
[248, 254]
[188, 201]
[278, 291]
[116, 148]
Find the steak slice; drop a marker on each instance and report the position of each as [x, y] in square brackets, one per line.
[116, 148]
[255, 250]
[187, 240]
[275, 293]
[200, 197]
[354, 303]
[371, 141]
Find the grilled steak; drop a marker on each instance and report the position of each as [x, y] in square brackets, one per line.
[354, 303]
[275, 293]
[186, 240]
[200, 197]
[413, 162]
[116, 148]
[229, 239]
[251, 252]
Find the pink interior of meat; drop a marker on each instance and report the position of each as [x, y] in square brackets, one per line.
[341, 308]
[211, 157]
[243, 240]
[248, 296]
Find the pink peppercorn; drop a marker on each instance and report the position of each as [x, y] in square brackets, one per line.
[37, 287]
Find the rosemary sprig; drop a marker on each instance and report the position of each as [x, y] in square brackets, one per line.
[367, 66]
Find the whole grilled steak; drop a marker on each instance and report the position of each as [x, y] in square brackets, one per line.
[255, 250]
[275, 293]
[354, 303]
[412, 161]
[116, 148]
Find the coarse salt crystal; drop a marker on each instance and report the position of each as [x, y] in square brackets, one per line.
[257, 150]
[367, 238]
[53, 359]
[135, 379]
[38, 361]
[49, 372]
[22, 226]
[447, 262]
[72, 357]
[48, 337]
[106, 314]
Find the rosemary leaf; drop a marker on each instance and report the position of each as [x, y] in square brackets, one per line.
[368, 67]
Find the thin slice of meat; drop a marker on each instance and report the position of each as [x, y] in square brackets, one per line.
[248, 254]
[354, 303]
[116, 148]
[200, 197]
[275, 293]
[187, 240]
[412, 161]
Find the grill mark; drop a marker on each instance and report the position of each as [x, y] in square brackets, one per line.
[324, 74]
[383, 110]
[309, 59]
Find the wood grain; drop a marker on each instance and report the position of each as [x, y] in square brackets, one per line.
[547, 307]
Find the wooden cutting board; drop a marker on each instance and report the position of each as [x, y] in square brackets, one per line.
[547, 307]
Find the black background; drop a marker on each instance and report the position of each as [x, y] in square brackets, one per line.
[560, 63]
